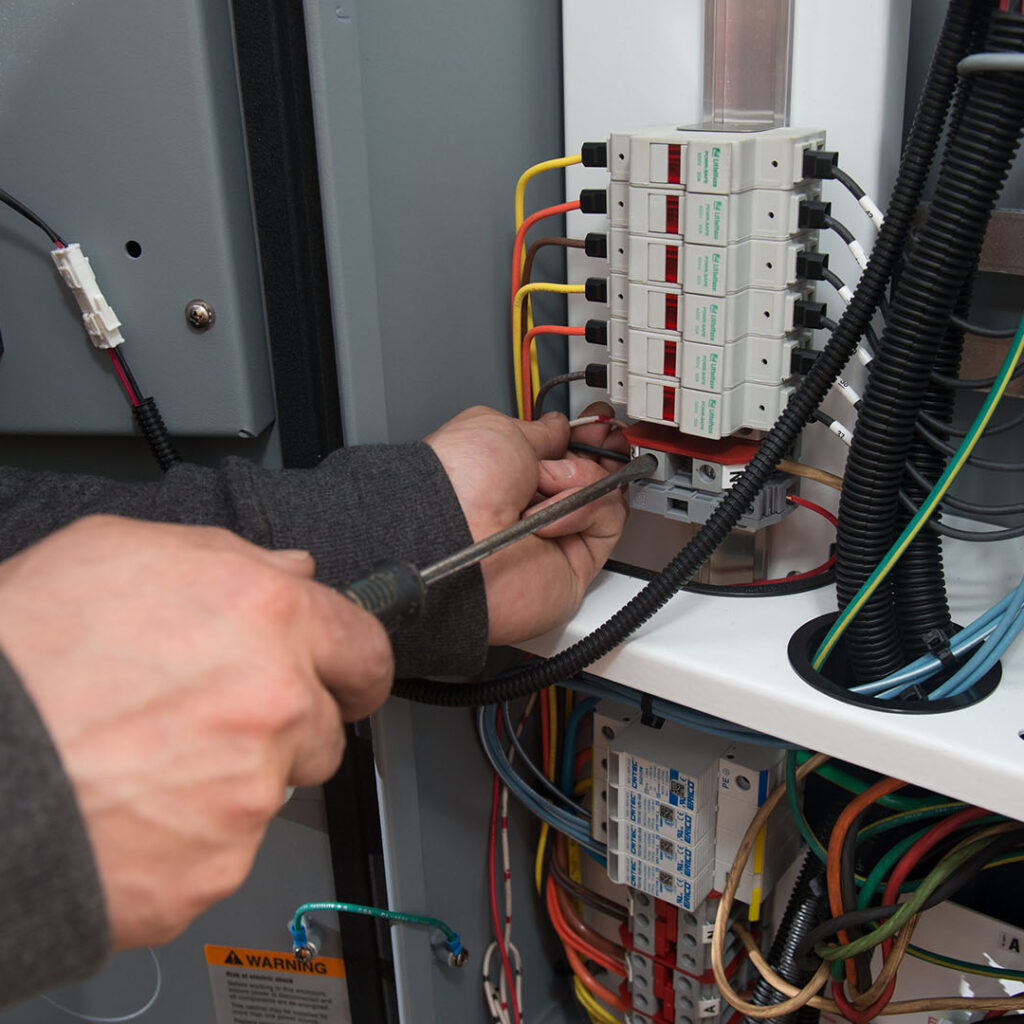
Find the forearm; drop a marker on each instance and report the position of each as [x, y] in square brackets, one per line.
[360, 507]
[48, 878]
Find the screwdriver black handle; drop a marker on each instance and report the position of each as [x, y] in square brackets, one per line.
[395, 593]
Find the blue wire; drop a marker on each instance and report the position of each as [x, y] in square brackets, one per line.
[572, 728]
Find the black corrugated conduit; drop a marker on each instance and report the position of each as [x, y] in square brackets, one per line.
[917, 158]
[973, 169]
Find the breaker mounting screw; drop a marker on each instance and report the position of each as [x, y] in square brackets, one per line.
[200, 315]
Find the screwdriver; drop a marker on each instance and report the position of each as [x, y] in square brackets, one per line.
[396, 592]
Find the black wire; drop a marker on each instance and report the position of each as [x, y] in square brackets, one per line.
[965, 506]
[592, 449]
[956, 881]
[122, 361]
[947, 449]
[592, 899]
[972, 536]
[848, 183]
[546, 387]
[785, 588]
[982, 330]
[950, 431]
[534, 770]
[31, 215]
[840, 229]
[976, 383]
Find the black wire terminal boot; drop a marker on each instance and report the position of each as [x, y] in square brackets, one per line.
[596, 332]
[593, 200]
[596, 375]
[813, 213]
[809, 314]
[596, 289]
[595, 244]
[802, 360]
[594, 154]
[812, 265]
[820, 163]
[151, 423]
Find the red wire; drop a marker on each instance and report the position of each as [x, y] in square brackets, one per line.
[517, 248]
[818, 570]
[527, 340]
[132, 397]
[867, 1014]
[581, 759]
[495, 916]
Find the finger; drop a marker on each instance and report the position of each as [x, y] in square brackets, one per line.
[320, 747]
[558, 475]
[292, 560]
[583, 520]
[351, 652]
[548, 436]
[589, 549]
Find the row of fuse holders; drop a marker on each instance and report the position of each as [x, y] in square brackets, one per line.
[706, 285]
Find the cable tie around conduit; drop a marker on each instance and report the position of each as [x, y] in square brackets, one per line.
[937, 643]
[647, 715]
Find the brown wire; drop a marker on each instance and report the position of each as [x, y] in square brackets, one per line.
[531, 253]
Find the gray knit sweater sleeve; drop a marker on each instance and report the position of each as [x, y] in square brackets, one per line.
[358, 508]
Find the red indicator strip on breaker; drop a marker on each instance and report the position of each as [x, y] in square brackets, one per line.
[675, 164]
[672, 215]
[669, 361]
[668, 404]
[672, 264]
[671, 312]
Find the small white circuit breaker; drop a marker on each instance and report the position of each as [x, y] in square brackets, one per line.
[703, 255]
[100, 320]
[662, 811]
[747, 774]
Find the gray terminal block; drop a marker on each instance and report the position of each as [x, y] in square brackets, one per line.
[676, 498]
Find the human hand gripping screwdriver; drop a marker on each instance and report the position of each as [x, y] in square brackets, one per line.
[396, 592]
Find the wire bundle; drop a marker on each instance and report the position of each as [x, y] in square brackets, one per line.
[836, 948]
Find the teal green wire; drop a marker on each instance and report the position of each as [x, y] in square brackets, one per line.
[882, 868]
[909, 818]
[930, 503]
[387, 915]
[897, 801]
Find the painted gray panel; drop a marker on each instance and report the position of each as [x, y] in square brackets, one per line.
[122, 123]
[293, 867]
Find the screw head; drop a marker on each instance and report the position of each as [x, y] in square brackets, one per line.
[200, 315]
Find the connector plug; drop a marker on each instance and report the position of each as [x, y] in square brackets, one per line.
[594, 154]
[809, 314]
[812, 265]
[596, 289]
[595, 243]
[101, 322]
[596, 332]
[820, 163]
[801, 361]
[593, 200]
[596, 375]
[813, 213]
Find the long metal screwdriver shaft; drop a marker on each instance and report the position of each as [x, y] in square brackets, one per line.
[642, 466]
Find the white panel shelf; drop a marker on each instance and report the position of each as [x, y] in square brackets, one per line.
[727, 657]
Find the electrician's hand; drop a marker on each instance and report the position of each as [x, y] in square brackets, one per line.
[501, 467]
[186, 677]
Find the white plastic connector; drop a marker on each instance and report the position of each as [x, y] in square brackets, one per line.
[100, 320]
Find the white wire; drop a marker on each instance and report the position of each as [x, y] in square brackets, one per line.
[116, 1020]
[585, 421]
[497, 995]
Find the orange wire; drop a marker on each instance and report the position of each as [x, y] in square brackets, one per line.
[567, 936]
[527, 342]
[592, 985]
[517, 248]
[835, 849]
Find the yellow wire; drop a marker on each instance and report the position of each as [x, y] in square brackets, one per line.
[582, 786]
[927, 507]
[517, 325]
[532, 172]
[538, 863]
[595, 1010]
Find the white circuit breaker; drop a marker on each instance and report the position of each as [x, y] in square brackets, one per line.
[704, 276]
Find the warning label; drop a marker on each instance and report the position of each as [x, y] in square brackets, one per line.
[258, 986]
